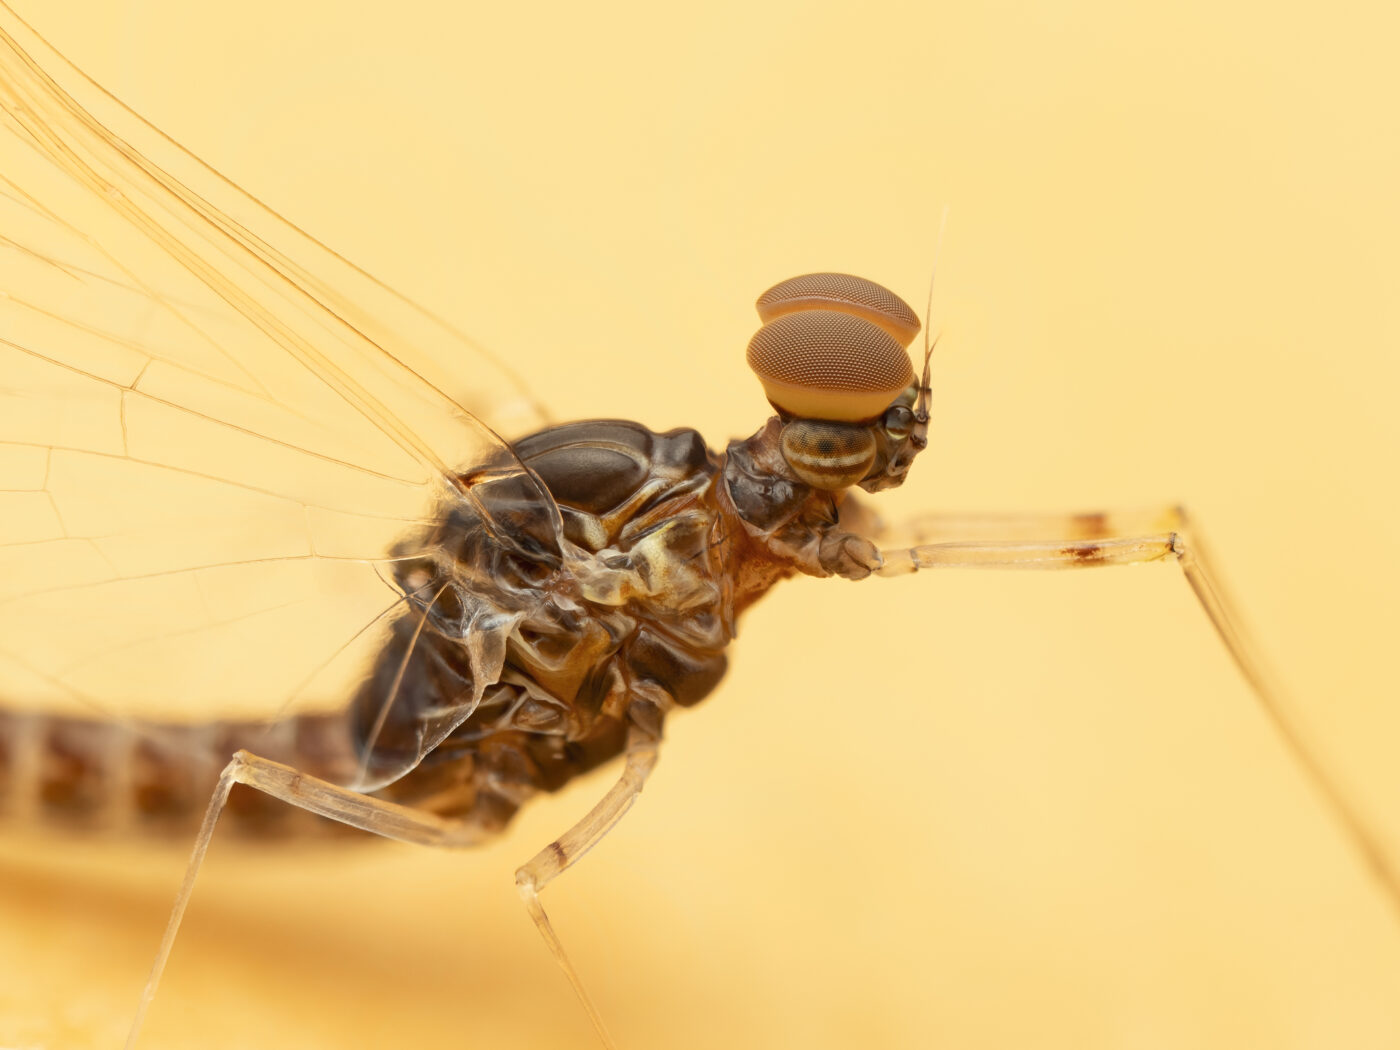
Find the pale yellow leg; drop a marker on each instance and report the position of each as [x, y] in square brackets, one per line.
[564, 851]
[306, 792]
[1080, 541]
[410, 825]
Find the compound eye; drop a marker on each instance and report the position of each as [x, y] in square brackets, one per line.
[821, 364]
[828, 455]
[898, 422]
[844, 293]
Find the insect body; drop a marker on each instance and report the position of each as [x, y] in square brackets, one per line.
[538, 633]
[524, 663]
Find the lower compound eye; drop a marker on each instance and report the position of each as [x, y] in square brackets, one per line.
[824, 364]
[828, 455]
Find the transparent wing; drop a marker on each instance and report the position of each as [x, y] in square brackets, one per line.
[213, 430]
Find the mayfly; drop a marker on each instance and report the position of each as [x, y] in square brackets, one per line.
[511, 614]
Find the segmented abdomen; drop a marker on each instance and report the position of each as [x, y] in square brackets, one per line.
[93, 775]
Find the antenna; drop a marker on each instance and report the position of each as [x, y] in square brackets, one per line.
[925, 390]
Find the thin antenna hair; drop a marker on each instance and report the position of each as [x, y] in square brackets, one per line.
[921, 408]
[932, 277]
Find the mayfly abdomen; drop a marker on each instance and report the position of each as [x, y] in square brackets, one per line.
[95, 775]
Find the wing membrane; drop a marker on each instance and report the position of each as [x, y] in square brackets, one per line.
[205, 457]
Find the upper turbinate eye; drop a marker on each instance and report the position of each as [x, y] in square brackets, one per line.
[846, 294]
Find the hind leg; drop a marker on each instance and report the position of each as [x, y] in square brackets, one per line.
[414, 826]
[308, 793]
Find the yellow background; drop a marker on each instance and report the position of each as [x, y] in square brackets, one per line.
[962, 810]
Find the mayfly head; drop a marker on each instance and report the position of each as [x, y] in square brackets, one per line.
[832, 358]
